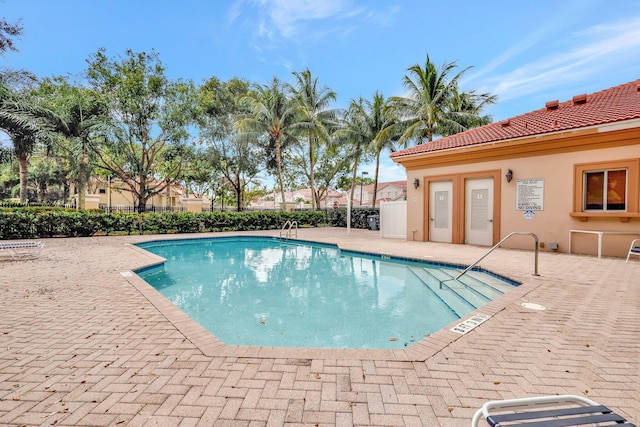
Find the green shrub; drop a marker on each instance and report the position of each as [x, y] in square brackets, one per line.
[29, 223]
[359, 217]
[17, 224]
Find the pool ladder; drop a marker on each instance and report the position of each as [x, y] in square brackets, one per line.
[289, 229]
[497, 245]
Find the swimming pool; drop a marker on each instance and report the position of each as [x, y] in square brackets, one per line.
[271, 292]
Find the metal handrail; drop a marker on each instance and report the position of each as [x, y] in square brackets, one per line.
[535, 268]
[288, 230]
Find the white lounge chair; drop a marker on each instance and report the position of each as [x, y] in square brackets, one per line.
[548, 411]
[22, 250]
[634, 249]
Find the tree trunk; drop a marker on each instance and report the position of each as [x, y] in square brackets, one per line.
[65, 192]
[375, 183]
[83, 178]
[142, 197]
[238, 194]
[23, 165]
[41, 189]
[280, 176]
[311, 177]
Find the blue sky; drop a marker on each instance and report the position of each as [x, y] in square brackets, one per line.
[525, 52]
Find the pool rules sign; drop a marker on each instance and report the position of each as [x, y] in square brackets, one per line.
[530, 194]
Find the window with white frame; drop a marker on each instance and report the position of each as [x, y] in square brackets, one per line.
[605, 190]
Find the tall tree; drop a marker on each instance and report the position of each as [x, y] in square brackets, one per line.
[371, 125]
[270, 117]
[314, 117]
[85, 116]
[428, 109]
[236, 156]
[334, 159]
[150, 115]
[356, 134]
[27, 123]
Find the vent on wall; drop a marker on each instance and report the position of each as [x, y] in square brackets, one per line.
[551, 105]
[580, 99]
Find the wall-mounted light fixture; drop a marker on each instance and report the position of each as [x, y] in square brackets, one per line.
[509, 175]
[416, 183]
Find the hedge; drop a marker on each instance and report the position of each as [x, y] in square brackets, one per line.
[34, 222]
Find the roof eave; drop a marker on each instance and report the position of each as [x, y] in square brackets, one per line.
[603, 127]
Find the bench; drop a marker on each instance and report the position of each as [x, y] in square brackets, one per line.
[600, 234]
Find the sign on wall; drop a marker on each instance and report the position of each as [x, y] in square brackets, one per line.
[530, 194]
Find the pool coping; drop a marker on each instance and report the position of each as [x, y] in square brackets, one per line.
[210, 345]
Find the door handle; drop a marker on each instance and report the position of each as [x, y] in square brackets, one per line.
[490, 220]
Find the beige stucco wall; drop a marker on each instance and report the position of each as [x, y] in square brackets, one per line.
[119, 197]
[551, 224]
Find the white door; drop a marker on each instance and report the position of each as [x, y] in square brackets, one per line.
[440, 211]
[479, 212]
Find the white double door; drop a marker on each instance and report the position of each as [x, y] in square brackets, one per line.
[478, 212]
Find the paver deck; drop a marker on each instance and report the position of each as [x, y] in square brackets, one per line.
[83, 344]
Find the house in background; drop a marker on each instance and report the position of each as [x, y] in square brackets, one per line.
[114, 195]
[298, 199]
[568, 172]
[387, 192]
[362, 196]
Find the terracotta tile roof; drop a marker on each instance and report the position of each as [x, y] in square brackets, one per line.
[616, 104]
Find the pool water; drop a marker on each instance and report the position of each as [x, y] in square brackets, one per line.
[272, 292]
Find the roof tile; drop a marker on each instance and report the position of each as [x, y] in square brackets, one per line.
[616, 104]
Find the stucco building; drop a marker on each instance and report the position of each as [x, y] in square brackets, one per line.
[572, 165]
[390, 191]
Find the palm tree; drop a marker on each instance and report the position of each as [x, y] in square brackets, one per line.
[430, 107]
[26, 123]
[465, 110]
[314, 119]
[83, 116]
[271, 115]
[370, 124]
[354, 131]
[8, 31]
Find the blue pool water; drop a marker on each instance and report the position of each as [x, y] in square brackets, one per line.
[273, 292]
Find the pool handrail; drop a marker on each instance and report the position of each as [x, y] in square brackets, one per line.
[535, 267]
[289, 230]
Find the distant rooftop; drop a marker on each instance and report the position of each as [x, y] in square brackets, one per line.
[612, 105]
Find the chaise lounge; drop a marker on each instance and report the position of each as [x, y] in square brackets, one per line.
[634, 249]
[22, 250]
[548, 411]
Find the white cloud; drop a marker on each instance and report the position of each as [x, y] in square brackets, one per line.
[289, 15]
[297, 20]
[599, 50]
[288, 18]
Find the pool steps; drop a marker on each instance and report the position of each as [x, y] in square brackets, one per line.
[465, 294]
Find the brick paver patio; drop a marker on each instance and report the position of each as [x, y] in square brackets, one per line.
[83, 344]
